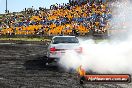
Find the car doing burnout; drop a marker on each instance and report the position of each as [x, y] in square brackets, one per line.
[59, 45]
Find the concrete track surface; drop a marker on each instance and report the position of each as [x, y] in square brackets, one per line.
[21, 67]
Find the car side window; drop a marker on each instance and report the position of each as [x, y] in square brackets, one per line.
[52, 41]
[55, 40]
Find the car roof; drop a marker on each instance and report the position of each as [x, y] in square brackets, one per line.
[62, 36]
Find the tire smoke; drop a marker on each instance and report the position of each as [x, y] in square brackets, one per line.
[109, 56]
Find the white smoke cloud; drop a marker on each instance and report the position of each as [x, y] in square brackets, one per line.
[109, 56]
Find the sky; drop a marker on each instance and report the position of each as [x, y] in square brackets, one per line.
[19, 5]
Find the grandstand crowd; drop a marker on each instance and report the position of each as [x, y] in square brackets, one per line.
[78, 17]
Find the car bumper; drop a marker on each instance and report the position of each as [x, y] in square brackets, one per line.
[55, 57]
[57, 54]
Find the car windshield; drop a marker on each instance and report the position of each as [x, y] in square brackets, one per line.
[65, 40]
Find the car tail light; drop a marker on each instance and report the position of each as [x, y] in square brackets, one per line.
[53, 49]
[79, 50]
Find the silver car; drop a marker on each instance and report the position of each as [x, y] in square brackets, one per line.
[59, 45]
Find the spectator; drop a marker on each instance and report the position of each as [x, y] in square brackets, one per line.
[79, 15]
